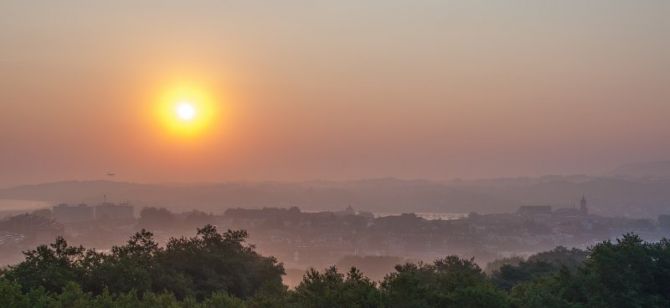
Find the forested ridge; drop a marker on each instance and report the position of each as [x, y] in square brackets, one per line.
[219, 269]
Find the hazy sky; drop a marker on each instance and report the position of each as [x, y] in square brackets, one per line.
[333, 89]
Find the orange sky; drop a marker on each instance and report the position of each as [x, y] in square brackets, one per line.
[341, 90]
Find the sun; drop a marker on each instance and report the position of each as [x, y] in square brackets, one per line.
[185, 111]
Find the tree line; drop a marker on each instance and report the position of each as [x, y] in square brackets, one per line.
[219, 269]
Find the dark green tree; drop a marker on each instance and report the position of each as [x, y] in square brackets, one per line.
[334, 289]
[539, 265]
[194, 267]
[625, 273]
[50, 267]
[215, 262]
[128, 267]
[448, 282]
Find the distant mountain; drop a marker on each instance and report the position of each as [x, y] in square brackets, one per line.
[659, 169]
[379, 195]
[621, 196]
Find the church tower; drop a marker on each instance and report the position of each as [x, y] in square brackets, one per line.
[582, 206]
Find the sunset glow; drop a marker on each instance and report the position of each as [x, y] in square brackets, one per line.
[370, 89]
[422, 153]
[186, 111]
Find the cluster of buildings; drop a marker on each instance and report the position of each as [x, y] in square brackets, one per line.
[24, 231]
[546, 210]
[320, 238]
[66, 213]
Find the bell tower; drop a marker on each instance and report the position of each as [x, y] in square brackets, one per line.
[582, 206]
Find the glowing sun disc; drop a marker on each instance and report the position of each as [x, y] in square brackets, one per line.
[185, 111]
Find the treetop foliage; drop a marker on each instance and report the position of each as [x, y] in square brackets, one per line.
[214, 269]
[186, 267]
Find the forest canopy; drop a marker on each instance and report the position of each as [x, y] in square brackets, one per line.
[215, 269]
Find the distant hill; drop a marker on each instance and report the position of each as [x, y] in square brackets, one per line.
[383, 195]
[659, 169]
[635, 197]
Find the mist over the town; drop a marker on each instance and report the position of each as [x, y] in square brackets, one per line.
[335, 153]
